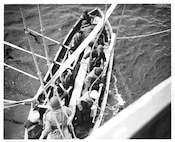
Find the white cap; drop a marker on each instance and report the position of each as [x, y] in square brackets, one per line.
[94, 94]
[34, 116]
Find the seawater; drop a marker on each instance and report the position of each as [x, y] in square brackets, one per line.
[139, 64]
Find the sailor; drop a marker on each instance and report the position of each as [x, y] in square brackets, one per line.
[91, 77]
[98, 57]
[64, 85]
[83, 108]
[87, 30]
[51, 130]
[85, 18]
[103, 39]
[33, 125]
[76, 41]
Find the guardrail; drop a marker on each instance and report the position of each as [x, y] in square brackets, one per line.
[152, 110]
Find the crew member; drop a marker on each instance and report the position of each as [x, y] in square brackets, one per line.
[51, 130]
[64, 85]
[76, 41]
[83, 108]
[91, 77]
[33, 125]
[85, 18]
[98, 57]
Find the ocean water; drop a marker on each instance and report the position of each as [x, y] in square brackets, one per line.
[139, 64]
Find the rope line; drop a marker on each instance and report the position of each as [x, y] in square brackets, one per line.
[32, 50]
[59, 43]
[20, 48]
[43, 38]
[139, 36]
[21, 71]
[123, 10]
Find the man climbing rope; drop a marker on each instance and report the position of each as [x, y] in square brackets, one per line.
[51, 130]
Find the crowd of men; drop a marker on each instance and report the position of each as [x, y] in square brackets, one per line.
[55, 123]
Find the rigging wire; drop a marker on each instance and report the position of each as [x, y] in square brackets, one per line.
[146, 35]
[29, 52]
[31, 48]
[43, 37]
[32, 76]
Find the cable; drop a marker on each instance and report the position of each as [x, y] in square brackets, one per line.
[139, 36]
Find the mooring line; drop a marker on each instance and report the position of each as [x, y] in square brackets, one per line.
[146, 35]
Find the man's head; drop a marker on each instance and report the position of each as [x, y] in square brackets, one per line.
[85, 13]
[81, 105]
[54, 102]
[98, 70]
[34, 116]
[100, 48]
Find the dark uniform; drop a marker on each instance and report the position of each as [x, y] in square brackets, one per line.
[76, 41]
[85, 18]
[96, 58]
[66, 81]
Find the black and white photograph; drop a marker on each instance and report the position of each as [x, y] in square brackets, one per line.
[86, 71]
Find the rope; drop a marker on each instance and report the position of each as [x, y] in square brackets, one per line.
[44, 43]
[19, 48]
[48, 38]
[21, 71]
[33, 55]
[10, 103]
[22, 15]
[123, 10]
[48, 64]
[139, 36]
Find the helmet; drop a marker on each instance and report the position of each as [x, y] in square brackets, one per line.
[98, 71]
[94, 94]
[34, 116]
[54, 102]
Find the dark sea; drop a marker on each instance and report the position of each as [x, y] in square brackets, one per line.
[139, 64]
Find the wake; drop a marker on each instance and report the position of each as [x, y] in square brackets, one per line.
[120, 101]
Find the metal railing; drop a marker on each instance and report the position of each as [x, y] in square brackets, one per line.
[131, 121]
